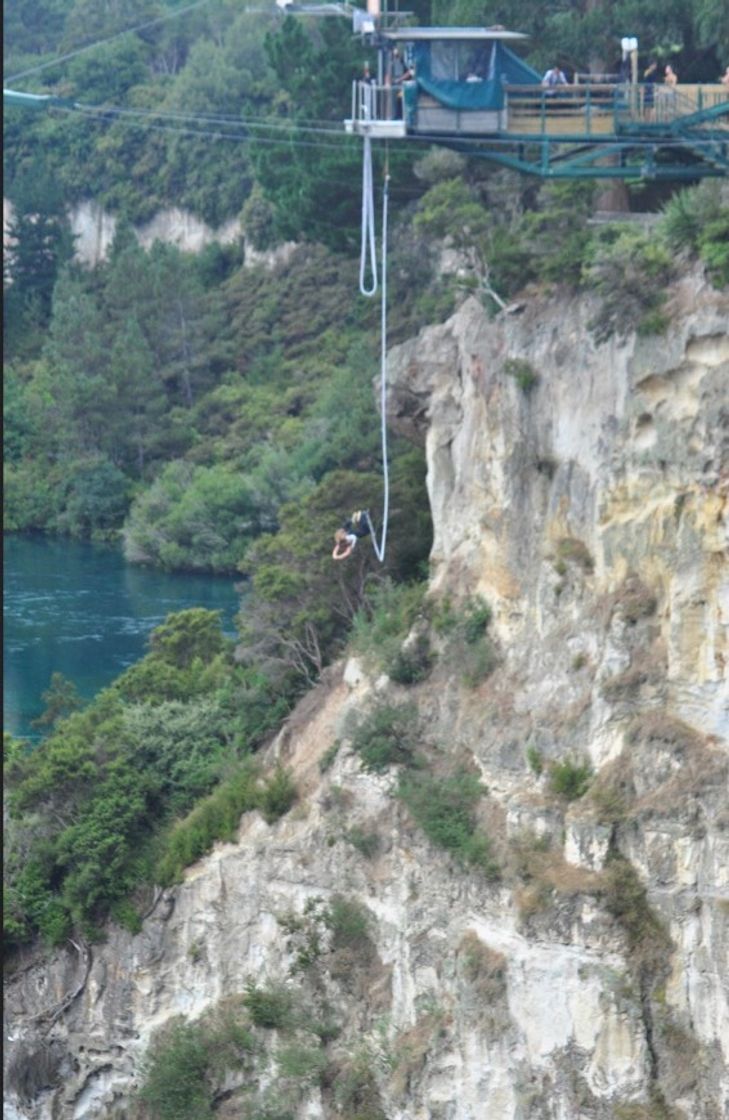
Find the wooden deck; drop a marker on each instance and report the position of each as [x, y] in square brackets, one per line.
[596, 110]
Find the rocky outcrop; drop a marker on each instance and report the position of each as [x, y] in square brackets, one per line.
[582, 490]
[93, 229]
[613, 462]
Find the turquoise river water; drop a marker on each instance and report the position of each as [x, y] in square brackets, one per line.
[81, 610]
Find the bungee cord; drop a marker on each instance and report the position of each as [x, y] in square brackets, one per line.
[368, 247]
[380, 549]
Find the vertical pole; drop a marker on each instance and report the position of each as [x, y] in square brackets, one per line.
[380, 48]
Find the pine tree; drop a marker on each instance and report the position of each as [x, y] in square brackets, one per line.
[39, 241]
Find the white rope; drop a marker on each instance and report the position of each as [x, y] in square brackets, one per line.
[380, 549]
[368, 242]
[368, 224]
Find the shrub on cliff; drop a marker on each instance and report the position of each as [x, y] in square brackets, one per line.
[629, 272]
[387, 736]
[569, 778]
[444, 807]
[469, 649]
[381, 626]
[696, 220]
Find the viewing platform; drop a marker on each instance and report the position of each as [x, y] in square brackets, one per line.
[586, 111]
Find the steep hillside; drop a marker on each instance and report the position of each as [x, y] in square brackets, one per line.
[503, 890]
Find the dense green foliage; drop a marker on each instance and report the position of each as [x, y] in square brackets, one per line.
[94, 805]
[445, 808]
[569, 778]
[187, 1060]
[387, 736]
[383, 623]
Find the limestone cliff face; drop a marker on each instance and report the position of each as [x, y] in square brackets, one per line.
[93, 229]
[617, 456]
[589, 509]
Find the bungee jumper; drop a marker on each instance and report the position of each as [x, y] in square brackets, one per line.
[353, 529]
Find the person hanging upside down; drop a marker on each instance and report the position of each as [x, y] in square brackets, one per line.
[345, 539]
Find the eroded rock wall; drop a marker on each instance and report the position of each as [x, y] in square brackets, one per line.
[590, 511]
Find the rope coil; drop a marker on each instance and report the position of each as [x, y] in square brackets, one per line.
[368, 225]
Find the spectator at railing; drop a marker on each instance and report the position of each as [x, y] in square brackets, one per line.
[553, 77]
[724, 79]
[368, 93]
[666, 97]
[399, 72]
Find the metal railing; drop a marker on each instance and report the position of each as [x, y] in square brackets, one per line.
[371, 102]
[577, 108]
[595, 108]
[661, 104]
[600, 107]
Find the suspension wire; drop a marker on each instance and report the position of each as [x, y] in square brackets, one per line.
[225, 120]
[101, 115]
[111, 39]
[368, 224]
[143, 119]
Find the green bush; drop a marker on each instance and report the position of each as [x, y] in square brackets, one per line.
[411, 663]
[697, 220]
[187, 1062]
[575, 551]
[258, 220]
[469, 651]
[366, 843]
[327, 759]
[626, 900]
[277, 795]
[380, 627]
[629, 275]
[555, 235]
[193, 517]
[302, 1063]
[445, 810]
[356, 1093]
[535, 760]
[217, 817]
[714, 249]
[654, 322]
[272, 1008]
[387, 736]
[523, 373]
[476, 618]
[569, 779]
[349, 923]
[176, 1085]
[451, 209]
[479, 661]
